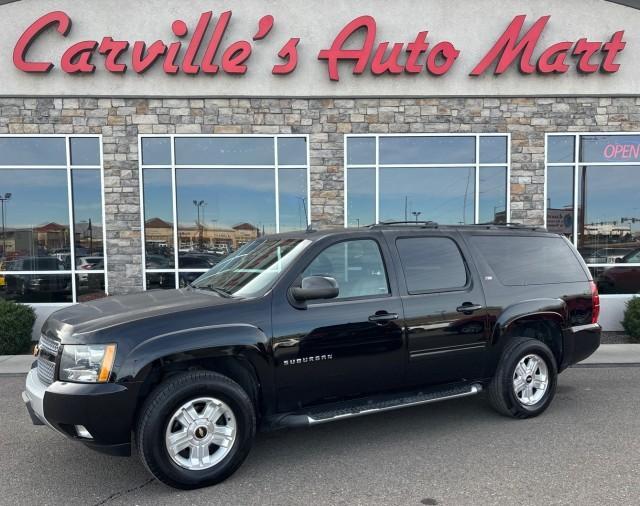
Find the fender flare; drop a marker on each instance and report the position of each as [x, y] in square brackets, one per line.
[555, 309]
[238, 340]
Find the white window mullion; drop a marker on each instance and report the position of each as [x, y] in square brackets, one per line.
[277, 183]
[174, 204]
[72, 252]
[377, 178]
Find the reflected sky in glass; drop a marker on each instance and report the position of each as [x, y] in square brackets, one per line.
[224, 151]
[443, 195]
[87, 205]
[292, 151]
[33, 151]
[427, 150]
[610, 148]
[361, 150]
[232, 196]
[156, 151]
[493, 195]
[560, 148]
[493, 149]
[85, 151]
[293, 199]
[38, 197]
[361, 203]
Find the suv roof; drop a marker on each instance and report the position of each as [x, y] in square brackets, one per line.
[313, 234]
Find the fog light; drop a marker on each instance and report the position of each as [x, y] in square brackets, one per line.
[82, 431]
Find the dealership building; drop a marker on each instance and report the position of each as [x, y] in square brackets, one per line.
[141, 142]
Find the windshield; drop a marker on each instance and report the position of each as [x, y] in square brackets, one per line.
[253, 268]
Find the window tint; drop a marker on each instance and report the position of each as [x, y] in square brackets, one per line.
[431, 263]
[357, 266]
[519, 260]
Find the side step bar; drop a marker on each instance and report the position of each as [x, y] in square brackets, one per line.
[361, 407]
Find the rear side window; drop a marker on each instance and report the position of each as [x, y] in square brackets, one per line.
[533, 260]
[431, 263]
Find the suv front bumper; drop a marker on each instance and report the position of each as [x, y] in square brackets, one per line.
[105, 410]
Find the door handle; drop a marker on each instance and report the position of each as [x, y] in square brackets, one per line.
[383, 317]
[468, 308]
[286, 343]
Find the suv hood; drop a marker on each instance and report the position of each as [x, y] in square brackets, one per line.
[109, 312]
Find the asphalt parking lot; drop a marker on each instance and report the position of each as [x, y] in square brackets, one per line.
[584, 450]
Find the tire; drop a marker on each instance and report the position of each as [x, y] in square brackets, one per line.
[514, 368]
[226, 416]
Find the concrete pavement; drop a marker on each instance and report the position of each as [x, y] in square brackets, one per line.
[585, 450]
[607, 354]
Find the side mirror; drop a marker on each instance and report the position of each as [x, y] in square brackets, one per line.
[315, 287]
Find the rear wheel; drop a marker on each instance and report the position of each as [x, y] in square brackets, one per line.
[195, 429]
[525, 381]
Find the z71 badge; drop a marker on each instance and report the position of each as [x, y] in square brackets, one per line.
[306, 360]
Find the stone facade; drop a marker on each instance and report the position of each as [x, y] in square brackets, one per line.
[120, 120]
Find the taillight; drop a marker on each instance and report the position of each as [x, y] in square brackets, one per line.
[595, 302]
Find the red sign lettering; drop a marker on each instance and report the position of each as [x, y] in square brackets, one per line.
[516, 46]
[621, 151]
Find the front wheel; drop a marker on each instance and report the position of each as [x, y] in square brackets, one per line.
[195, 429]
[525, 381]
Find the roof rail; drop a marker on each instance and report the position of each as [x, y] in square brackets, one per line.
[510, 225]
[422, 224]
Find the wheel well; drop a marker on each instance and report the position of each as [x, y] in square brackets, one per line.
[540, 328]
[236, 368]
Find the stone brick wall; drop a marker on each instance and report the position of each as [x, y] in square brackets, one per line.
[120, 120]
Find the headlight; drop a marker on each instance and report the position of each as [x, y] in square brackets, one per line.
[87, 363]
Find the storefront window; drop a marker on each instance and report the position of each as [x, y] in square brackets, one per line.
[449, 179]
[206, 196]
[598, 175]
[51, 240]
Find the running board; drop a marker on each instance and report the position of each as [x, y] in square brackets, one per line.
[368, 406]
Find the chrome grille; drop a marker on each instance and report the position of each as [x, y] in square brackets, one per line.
[49, 345]
[47, 359]
[46, 371]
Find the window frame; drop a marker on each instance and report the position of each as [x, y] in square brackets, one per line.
[476, 166]
[463, 288]
[68, 168]
[575, 165]
[173, 166]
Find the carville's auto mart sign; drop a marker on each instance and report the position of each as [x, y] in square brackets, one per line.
[315, 48]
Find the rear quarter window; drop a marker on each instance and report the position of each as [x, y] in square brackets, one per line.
[529, 260]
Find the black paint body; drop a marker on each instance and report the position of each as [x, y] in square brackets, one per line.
[341, 353]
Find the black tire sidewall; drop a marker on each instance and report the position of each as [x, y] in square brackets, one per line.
[529, 347]
[154, 424]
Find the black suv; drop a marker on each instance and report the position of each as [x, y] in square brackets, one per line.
[305, 328]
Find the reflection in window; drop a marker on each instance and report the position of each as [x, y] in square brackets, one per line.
[560, 200]
[608, 209]
[39, 229]
[357, 266]
[158, 211]
[608, 212]
[427, 178]
[446, 194]
[228, 192]
[493, 195]
[361, 197]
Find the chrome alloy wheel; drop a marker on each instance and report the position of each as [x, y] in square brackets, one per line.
[200, 433]
[530, 380]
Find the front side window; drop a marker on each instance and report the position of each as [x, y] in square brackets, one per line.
[357, 266]
[449, 179]
[593, 183]
[51, 241]
[431, 264]
[204, 197]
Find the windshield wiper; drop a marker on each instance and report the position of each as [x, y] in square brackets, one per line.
[220, 291]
